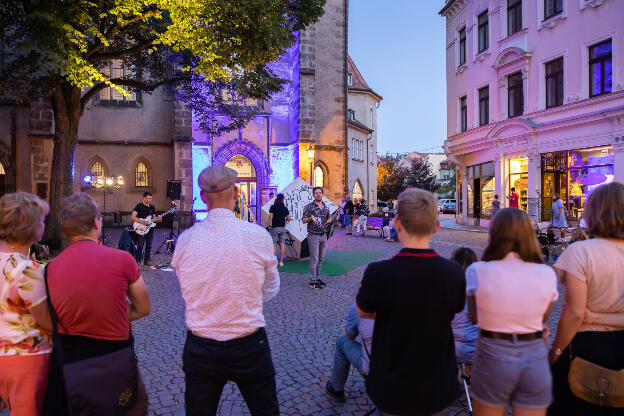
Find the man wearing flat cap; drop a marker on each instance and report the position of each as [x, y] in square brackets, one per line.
[227, 269]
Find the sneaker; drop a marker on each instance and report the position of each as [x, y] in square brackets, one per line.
[148, 265]
[338, 395]
[349, 234]
[314, 285]
[320, 282]
[281, 264]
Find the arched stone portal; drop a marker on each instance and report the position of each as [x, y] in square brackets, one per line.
[262, 170]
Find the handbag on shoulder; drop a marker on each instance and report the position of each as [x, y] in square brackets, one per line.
[105, 385]
[596, 384]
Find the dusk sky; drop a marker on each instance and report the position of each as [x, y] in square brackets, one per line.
[399, 47]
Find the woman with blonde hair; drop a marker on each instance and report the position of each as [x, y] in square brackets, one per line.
[510, 295]
[25, 340]
[591, 326]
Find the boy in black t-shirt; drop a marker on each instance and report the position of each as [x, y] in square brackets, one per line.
[413, 298]
[139, 214]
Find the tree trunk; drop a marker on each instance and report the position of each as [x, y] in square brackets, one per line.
[67, 114]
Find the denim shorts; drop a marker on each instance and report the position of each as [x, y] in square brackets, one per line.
[348, 219]
[511, 372]
[278, 234]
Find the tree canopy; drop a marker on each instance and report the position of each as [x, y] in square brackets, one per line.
[60, 50]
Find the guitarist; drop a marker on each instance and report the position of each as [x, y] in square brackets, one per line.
[141, 211]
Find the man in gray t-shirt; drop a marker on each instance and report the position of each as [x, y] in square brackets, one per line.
[350, 352]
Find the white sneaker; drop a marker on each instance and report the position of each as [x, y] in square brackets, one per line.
[281, 264]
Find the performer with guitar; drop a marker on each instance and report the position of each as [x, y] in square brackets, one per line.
[144, 214]
[316, 216]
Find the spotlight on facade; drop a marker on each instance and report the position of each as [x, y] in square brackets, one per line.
[87, 179]
[109, 181]
[120, 181]
[99, 182]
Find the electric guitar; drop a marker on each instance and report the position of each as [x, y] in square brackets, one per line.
[141, 229]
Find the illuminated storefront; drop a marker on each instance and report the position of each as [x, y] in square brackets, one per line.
[574, 175]
[481, 189]
[519, 179]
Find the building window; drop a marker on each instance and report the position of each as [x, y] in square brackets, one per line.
[371, 154]
[462, 46]
[351, 114]
[515, 95]
[349, 78]
[484, 106]
[554, 83]
[600, 69]
[360, 150]
[116, 69]
[514, 16]
[2, 171]
[371, 201]
[96, 169]
[552, 8]
[319, 176]
[480, 184]
[463, 113]
[484, 41]
[141, 175]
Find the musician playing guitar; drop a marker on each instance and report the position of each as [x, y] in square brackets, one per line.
[141, 211]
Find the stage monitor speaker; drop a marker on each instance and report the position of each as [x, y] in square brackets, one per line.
[174, 188]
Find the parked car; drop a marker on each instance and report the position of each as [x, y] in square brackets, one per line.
[441, 203]
[449, 207]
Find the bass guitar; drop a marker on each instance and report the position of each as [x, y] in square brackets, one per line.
[142, 229]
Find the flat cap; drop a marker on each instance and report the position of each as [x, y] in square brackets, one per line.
[216, 178]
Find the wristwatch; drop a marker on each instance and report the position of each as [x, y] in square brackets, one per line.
[556, 351]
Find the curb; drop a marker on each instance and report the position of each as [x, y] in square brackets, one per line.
[463, 229]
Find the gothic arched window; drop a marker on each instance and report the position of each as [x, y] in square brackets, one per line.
[141, 177]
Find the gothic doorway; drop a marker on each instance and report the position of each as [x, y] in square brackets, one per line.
[248, 186]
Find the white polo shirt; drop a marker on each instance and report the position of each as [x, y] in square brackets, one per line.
[512, 295]
[227, 269]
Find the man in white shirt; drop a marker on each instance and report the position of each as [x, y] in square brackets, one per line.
[227, 269]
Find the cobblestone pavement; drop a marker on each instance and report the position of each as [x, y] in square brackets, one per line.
[302, 326]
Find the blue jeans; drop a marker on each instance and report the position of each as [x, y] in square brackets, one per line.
[348, 352]
[147, 241]
[317, 245]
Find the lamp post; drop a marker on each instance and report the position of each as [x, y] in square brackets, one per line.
[105, 183]
[311, 157]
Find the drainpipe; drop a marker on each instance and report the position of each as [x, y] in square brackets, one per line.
[346, 96]
[368, 188]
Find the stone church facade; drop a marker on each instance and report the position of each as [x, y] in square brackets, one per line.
[150, 138]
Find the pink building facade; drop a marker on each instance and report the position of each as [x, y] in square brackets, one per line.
[535, 102]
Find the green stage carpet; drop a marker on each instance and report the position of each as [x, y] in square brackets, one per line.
[336, 263]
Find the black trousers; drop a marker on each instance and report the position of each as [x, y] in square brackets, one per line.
[605, 349]
[209, 364]
[147, 241]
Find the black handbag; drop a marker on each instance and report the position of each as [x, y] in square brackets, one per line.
[105, 385]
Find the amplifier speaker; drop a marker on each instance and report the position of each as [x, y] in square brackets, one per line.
[174, 188]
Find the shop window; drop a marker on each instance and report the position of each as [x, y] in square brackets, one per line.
[484, 41]
[460, 205]
[515, 95]
[484, 106]
[480, 184]
[519, 179]
[141, 175]
[600, 69]
[552, 8]
[574, 175]
[462, 47]
[514, 16]
[554, 83]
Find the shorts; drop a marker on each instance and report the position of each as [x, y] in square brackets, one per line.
[511, 372]
[279, 234]
[348, 219]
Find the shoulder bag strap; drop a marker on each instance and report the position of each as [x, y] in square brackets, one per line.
[58, 345]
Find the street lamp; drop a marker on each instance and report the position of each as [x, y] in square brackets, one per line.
[106, 183]
[311, 157]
